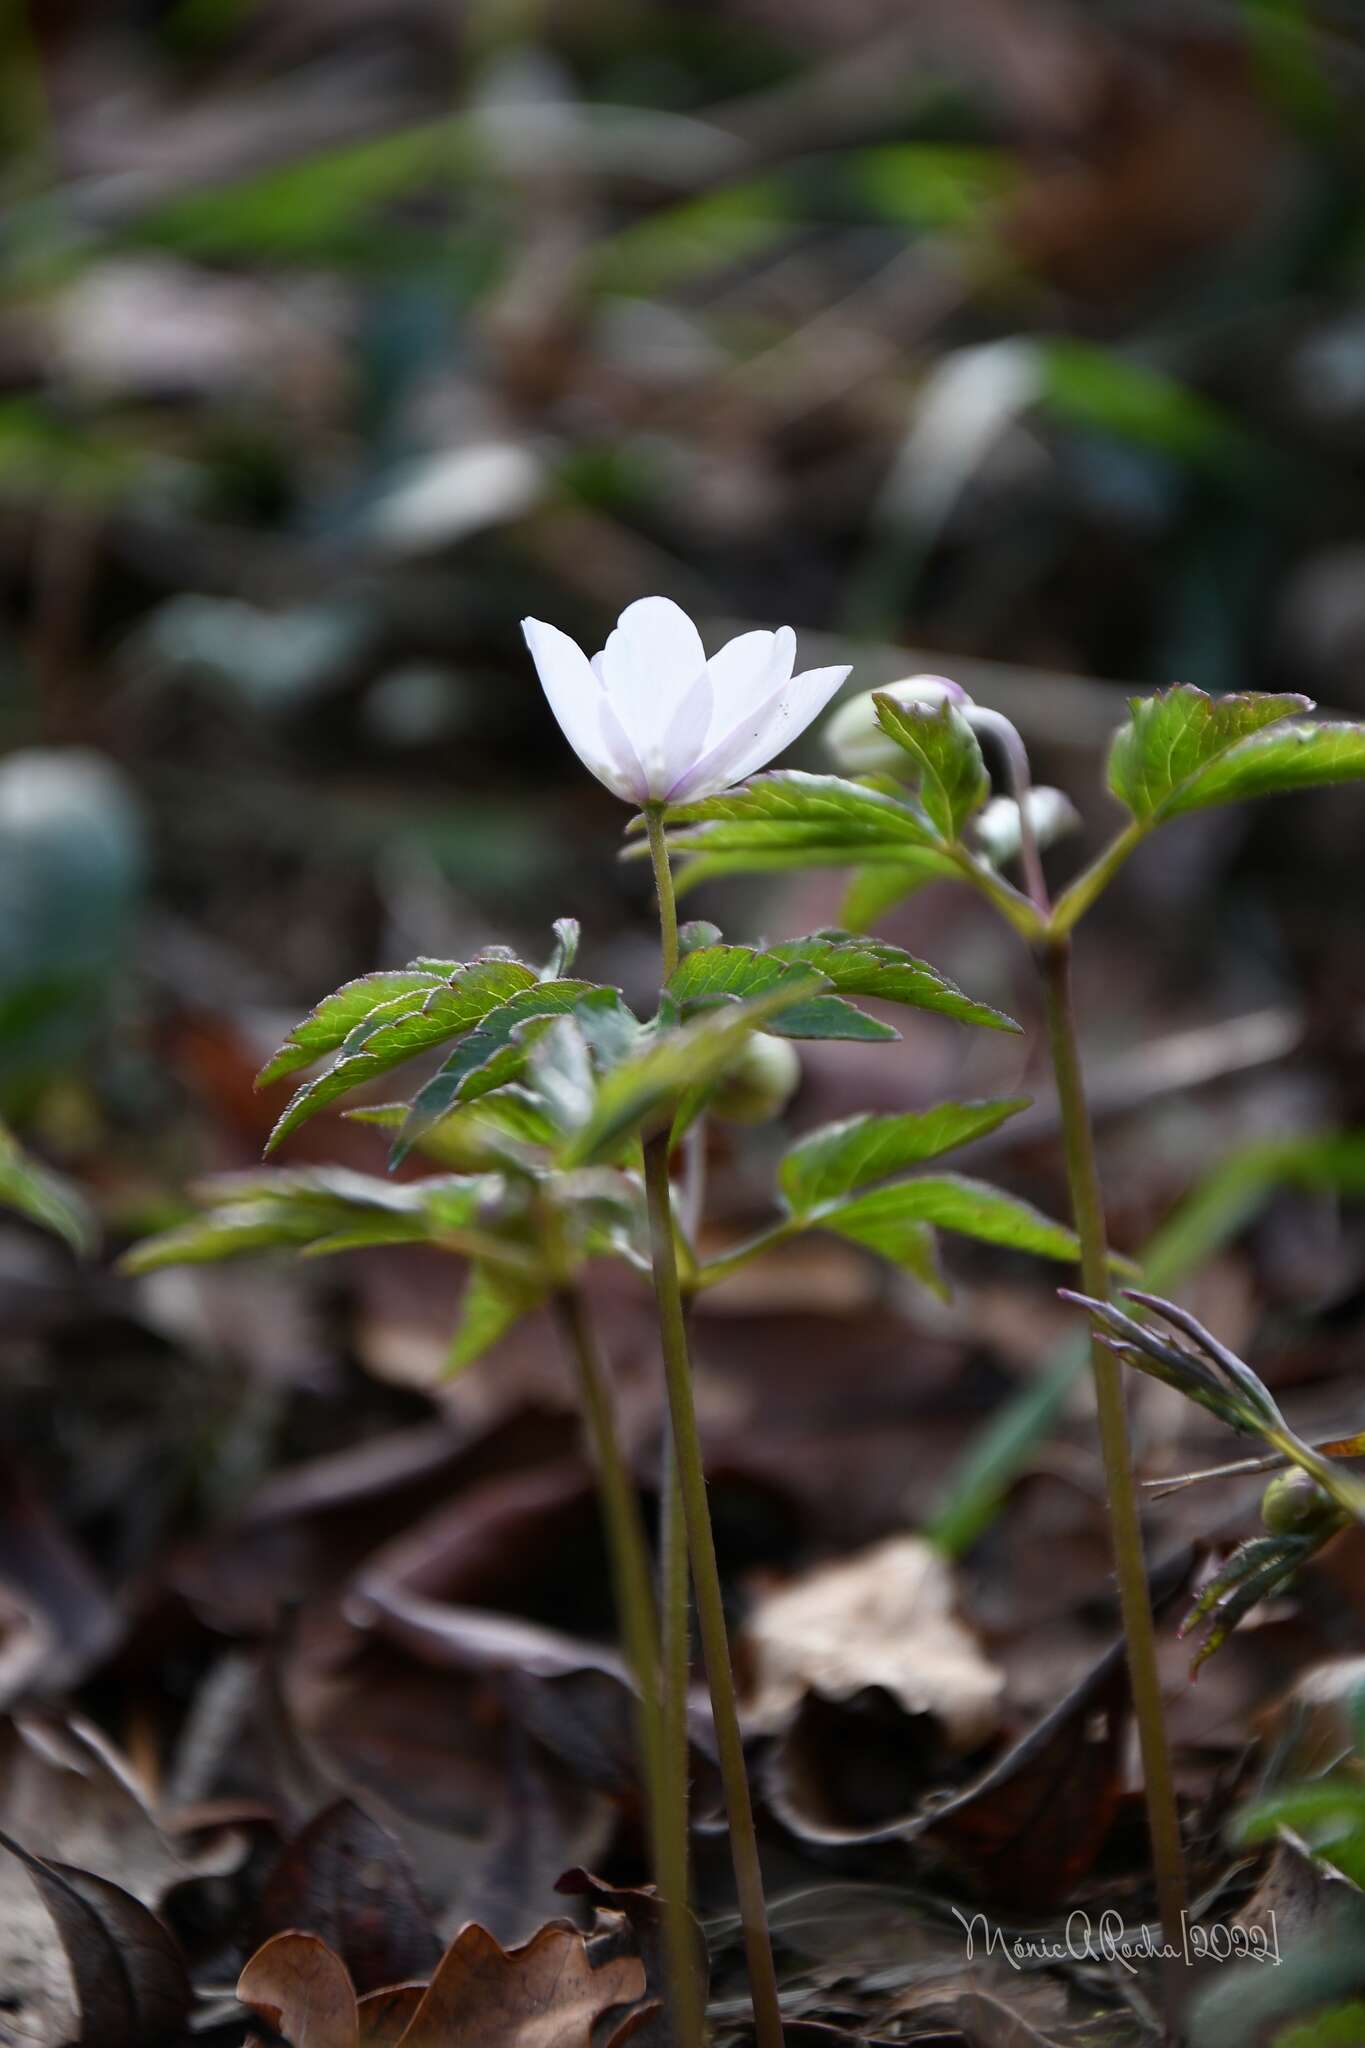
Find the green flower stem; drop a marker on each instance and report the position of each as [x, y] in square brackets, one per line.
[1125, 1526]
[663, 886]
[1074, 901]
[1013, 905]
[1017, 764]
[696, 1516]
[631, 1580]
[712, 1271]
[673, 1544]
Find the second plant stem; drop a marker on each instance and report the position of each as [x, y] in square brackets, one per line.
[1135, 1603]
[710, 1602]
[701, 1545]
[665, 1770]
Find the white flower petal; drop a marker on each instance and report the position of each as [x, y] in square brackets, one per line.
[664, 640]
[574, 694]
[764, 733]
[687, 733]
[624, 774]
[744, 674]
[649, 663]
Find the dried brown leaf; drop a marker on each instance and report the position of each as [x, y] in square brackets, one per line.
[885, 1618]
[346, 1879]
[302, 1990]
[545, 1994]
[385, 2015]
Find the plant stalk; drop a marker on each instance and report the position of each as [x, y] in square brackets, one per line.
[675, 1631]
[1125, 1525]
[631, 1580]
[710, 1604]
[663, 887]
[696, 1515]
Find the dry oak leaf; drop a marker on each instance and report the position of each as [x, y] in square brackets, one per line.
[544, 1994]
[303, 1991]
[883, 1617]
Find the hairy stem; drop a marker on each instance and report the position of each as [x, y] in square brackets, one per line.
[631, 1581]
[1125, 1527]
[663, 886]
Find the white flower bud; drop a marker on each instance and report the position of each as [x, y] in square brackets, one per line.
[857, 742]
[996, 828]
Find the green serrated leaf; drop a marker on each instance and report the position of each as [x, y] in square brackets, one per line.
[832, 1017]
[286, 1211]
[882, 1218]
[838, 1158]
[642, 1092]
[824, 817]
[46, 1198]
[859, 966]
[447, 1011]
[493, 1301]
[953, 782]
[327, 1027]
[1176, 739]
[912, 1246]
[325, 1209]
[711, 974]
[911, 868]
[507, 1126]
[1278, 762]
[490, 1056]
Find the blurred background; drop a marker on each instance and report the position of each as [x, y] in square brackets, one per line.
[1020, 340]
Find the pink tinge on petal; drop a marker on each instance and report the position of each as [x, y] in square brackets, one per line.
[782, 718]
[685, 737]
[625, 774]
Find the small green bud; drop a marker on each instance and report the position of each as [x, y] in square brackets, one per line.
[762, 1083]
[857, 742]
[1294, 1503]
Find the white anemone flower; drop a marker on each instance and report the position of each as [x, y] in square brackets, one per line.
[656, 721]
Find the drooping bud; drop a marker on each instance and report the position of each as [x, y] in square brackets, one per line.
[761, 1085]
[996, 828]
[855, 739]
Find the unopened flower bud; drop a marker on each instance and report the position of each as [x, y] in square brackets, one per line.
[762, 1083]
[856, 740]
[996, 828]
[1294, 1503]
